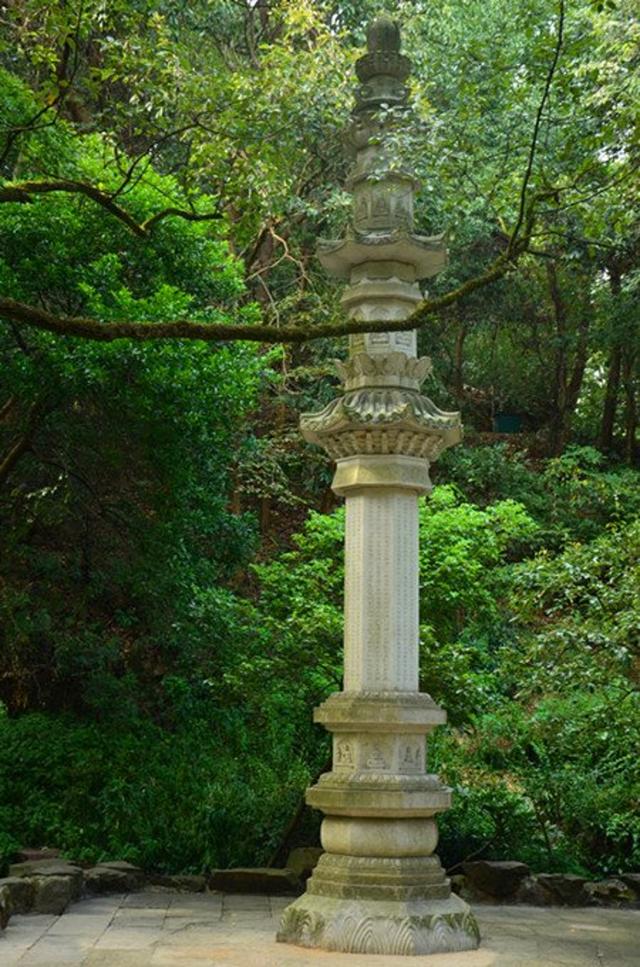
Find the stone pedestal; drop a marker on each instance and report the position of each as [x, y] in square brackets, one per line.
[379, 888]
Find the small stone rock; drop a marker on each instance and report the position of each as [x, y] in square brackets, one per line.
[471, 894]
[533, 893]
[135, 876]
[53, 894]
[632, 880]
[304, 860]
[37, 855]
[48, 868]
[612, 892]
[458, 882]
[21, 892]
[5, 907]
[113, 878]
[184, 882]
[255, 880]
[565, 888]
[499, 879]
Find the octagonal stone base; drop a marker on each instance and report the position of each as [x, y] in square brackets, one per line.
[405, 927]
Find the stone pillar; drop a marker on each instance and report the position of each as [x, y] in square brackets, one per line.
[379, 888]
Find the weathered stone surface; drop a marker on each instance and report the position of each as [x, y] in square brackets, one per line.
[53, 894]
[5, 907]
[389, 417]
[303, 860]
[21, 892]
[612, 892]
[223, 934]
[379, 836]
[379, 927]
[458, 881]
[471, 894]
[398, 878]
[632, 880]
[53, 867]
[534, 893]
[565, 888]
[116, 877]
[37, 855]
[100, 879]
[255, 880]
[135, 876]
[183, 882]
[499, 879]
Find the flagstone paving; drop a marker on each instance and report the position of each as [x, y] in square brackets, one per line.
[199, 930]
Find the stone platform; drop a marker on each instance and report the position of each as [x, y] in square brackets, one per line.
[202, 930]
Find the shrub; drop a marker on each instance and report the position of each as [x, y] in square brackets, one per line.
[187, 800]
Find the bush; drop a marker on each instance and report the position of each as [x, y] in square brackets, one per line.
[571, 497]
[554, 785]
[197, 798]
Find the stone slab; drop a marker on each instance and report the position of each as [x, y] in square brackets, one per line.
[495, 878]
[113, 877]
[564, 887]
[53, 894]
[52, 867]
[632, 880]
[20, 891]
[37, 855]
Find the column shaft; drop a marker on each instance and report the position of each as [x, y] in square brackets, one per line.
[381, 591]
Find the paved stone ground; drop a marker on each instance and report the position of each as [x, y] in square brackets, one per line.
[197, 930]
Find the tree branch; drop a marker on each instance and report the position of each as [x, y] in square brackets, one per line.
[188, 216]
[21, 314]
[536, 127]
[23, 444]
[23, 191]
[6, 407]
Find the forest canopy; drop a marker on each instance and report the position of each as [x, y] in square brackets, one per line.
[171, 568]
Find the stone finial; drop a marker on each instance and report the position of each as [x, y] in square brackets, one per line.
[383, 33]
[383, 64]
[380, 255]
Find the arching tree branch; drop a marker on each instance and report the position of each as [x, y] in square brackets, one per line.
[84, 328]
[21, 314]
[24, 191]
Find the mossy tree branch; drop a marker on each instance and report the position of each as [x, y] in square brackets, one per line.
[84, 328]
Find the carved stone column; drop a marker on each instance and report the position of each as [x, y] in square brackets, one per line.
[379, 888]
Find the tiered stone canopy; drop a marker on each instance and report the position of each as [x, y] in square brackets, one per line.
[378, 887]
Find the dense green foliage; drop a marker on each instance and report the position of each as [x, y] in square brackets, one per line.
[533, 651]
[171, 560]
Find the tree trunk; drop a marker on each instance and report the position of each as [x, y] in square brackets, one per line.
[612, 390]
[557, 433]
[631, 409]
[458, 359]
[569, 374]
[265, 515]
[610, 404]
[8, 462]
